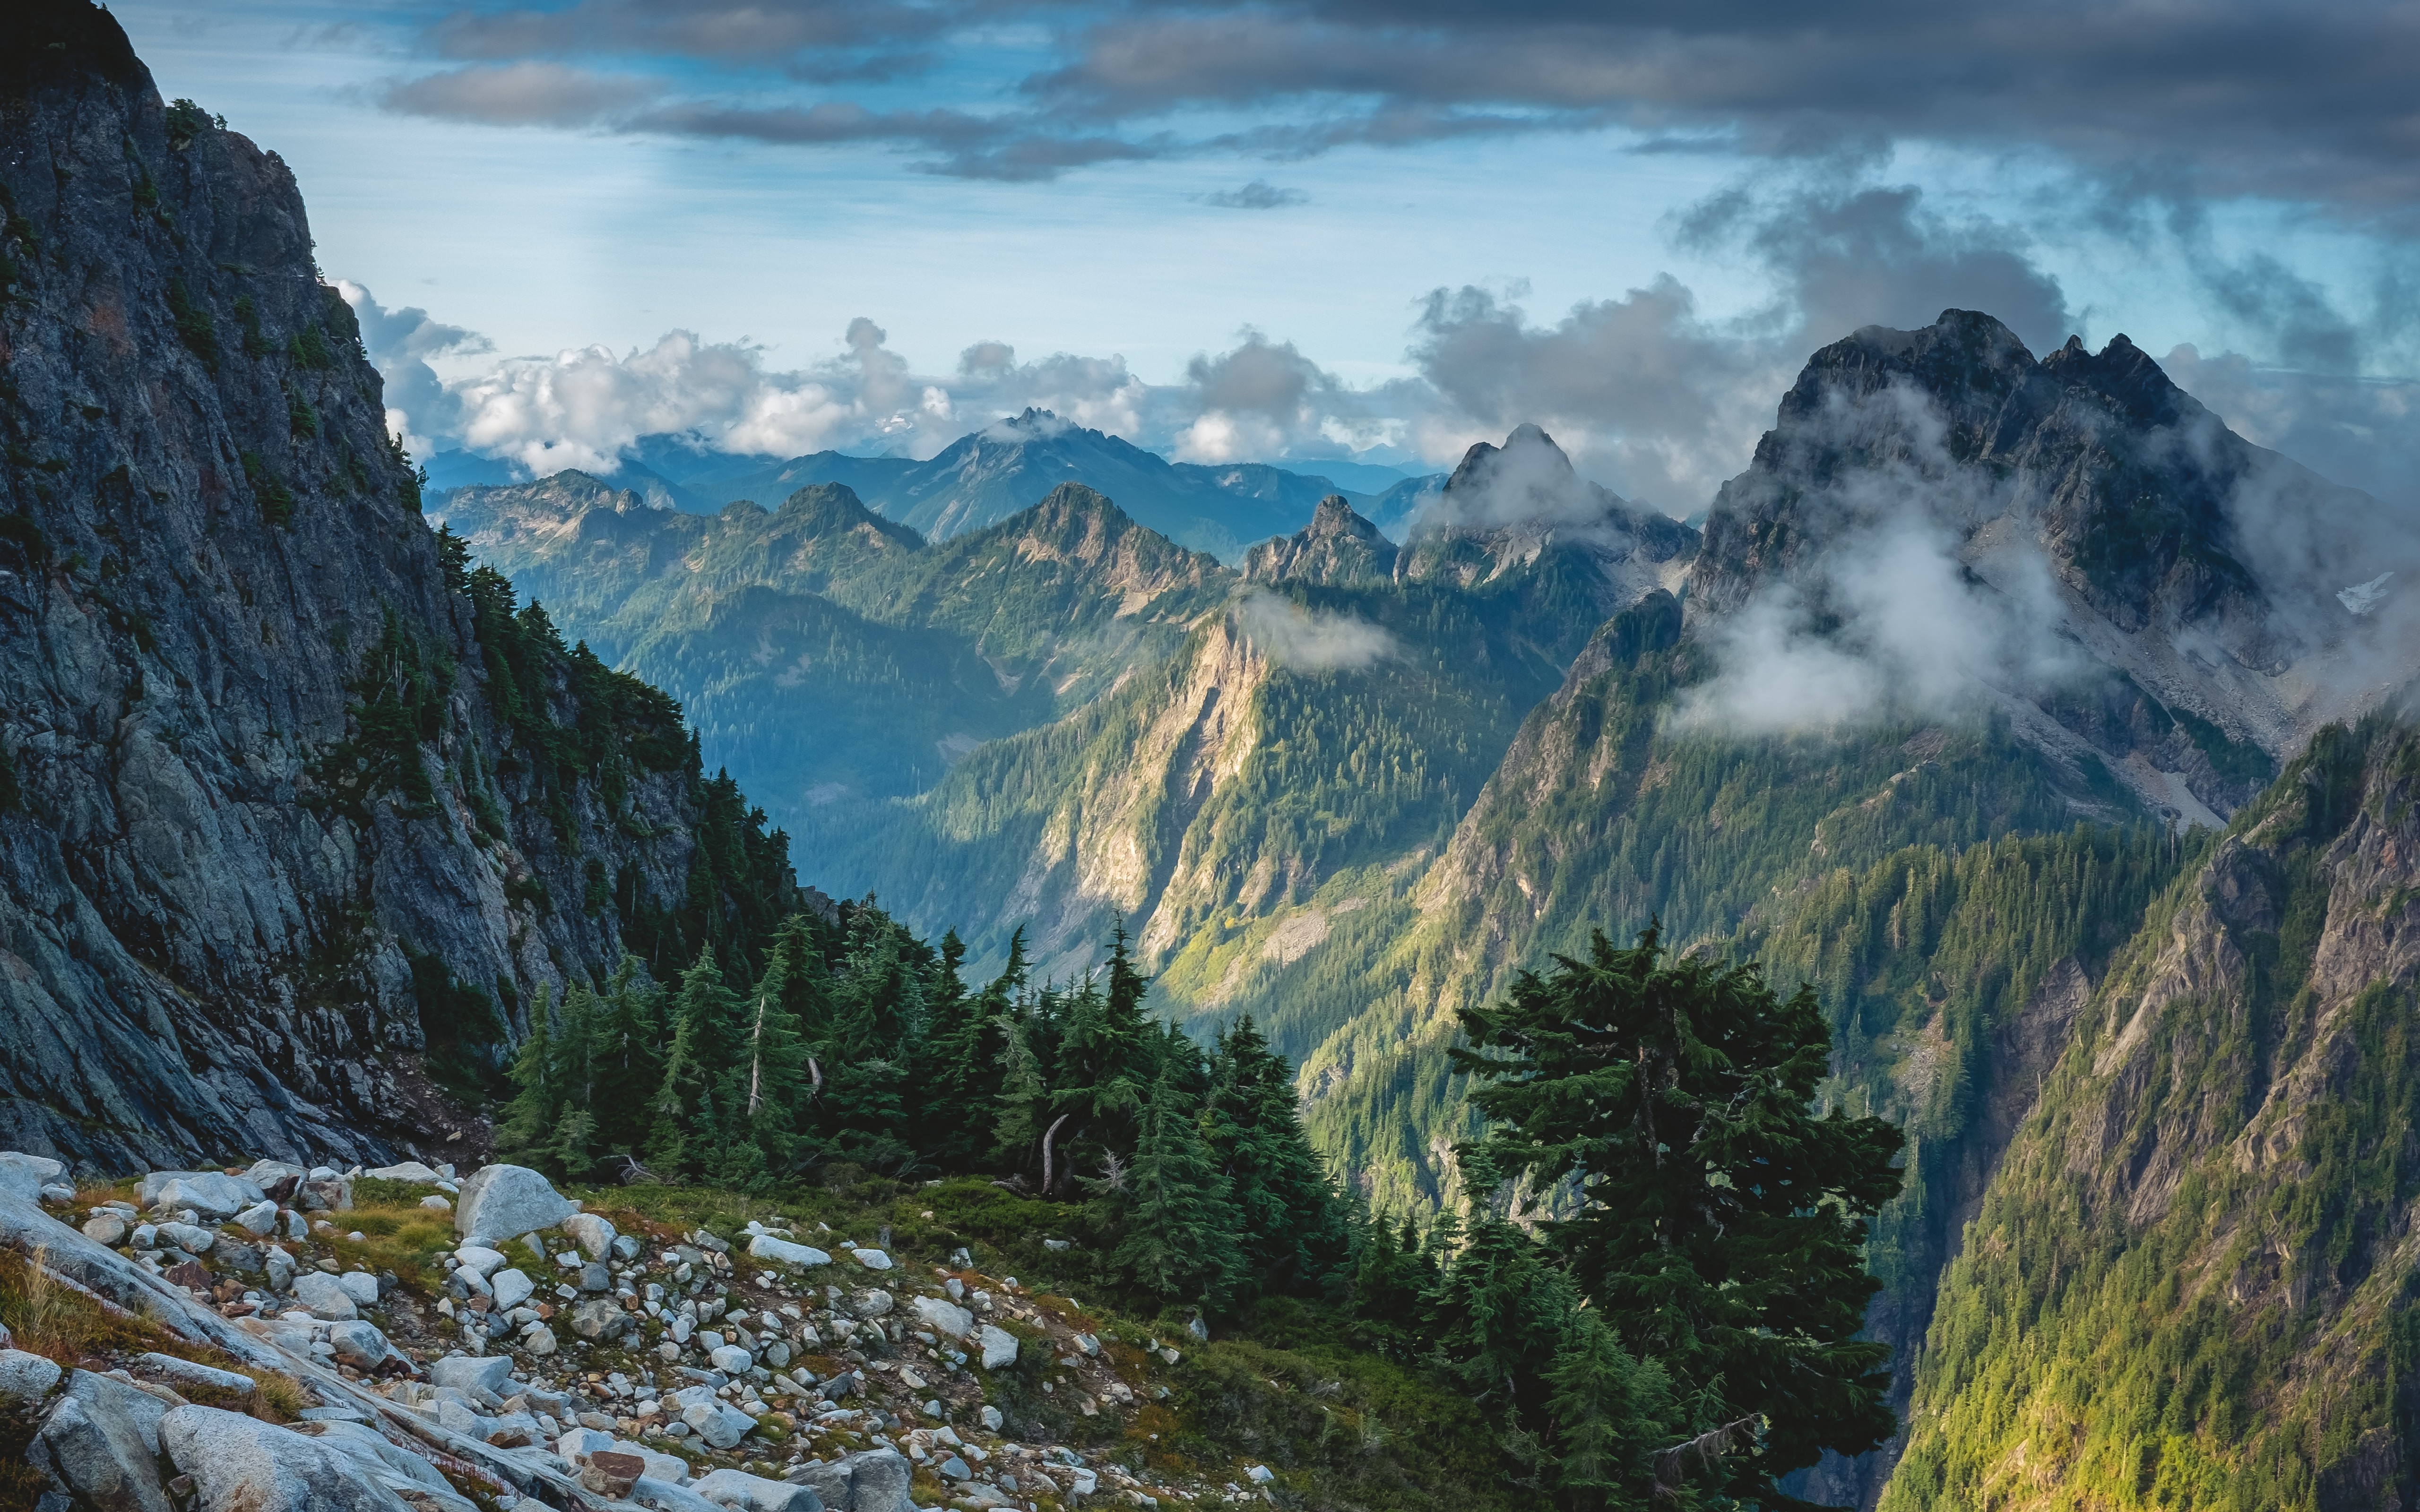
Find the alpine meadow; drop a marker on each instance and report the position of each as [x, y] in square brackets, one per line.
[1794, 888]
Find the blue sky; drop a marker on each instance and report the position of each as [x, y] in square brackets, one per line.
[1628, 223]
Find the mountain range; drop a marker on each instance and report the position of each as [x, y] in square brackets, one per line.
[986, 475]
[1969, 661]
[2056, 738]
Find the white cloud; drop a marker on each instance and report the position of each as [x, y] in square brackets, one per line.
[1309, 640]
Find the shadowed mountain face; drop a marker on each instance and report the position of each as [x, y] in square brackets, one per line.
[1937, 521]
[280, 804]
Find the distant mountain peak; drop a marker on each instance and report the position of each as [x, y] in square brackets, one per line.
[1337, 546]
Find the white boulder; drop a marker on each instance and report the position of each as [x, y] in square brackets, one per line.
[765, 1247]
[323, 1296]
[753, 1493]
[512, 1287]
[944, 1318]
[465, 1373]
[998, 1347]
[592, 1234]
[411, 1170]
[500, 1201]
[208, 1193]
[241, 1464]
[25, 1176]
[25, 1378]
[717, 1425]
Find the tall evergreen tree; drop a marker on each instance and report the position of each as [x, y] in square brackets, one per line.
[696, 1125]
[628, 1061]
[1293, 1225]
[1174, 1208]
[1716, 1222]
[1108, 1059]
[530, 1118]
[961, 1070]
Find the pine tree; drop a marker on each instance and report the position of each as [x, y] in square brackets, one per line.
[1108, 1059]
[1712, 1217]
[777, 1084]
[1292, 1224]
[1611, 1413]
[870, 1042]
[1028, 1066]
[693, 1121]
[530, 1118]
[629, 1061]
[961, 1069]
[1175, 1208]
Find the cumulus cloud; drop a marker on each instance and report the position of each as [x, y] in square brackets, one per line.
[1309, 640]
[1845, 255]
[1640, 391]
[1648, 395]
[400, 342]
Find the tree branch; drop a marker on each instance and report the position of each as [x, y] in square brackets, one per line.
[1708, 1446]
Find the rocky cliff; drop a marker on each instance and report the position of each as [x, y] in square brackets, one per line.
[2142, 587]
[287, 800]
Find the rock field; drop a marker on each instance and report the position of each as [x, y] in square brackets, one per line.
[547, 1360]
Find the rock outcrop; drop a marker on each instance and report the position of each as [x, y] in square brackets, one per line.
[281, 811]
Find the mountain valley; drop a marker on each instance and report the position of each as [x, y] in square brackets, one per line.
[1155, 868]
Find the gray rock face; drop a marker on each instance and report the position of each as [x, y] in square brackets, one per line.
[765, 1247]
[103, 1442]
[359, 1345]
[511, 1288]
[597, 1319]
[240, 1464]
[593, 1235]
[718, 1426]
[943, 1316]
[877, 1481]
[501, 1202]
[219, 887]
[998, 1347]
[185, 1372]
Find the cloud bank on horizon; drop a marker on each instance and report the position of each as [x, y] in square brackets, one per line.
[2136, 117]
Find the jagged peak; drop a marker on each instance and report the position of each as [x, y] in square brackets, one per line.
[1336, 515]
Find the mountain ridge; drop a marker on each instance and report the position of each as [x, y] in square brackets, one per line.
[297, 809]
